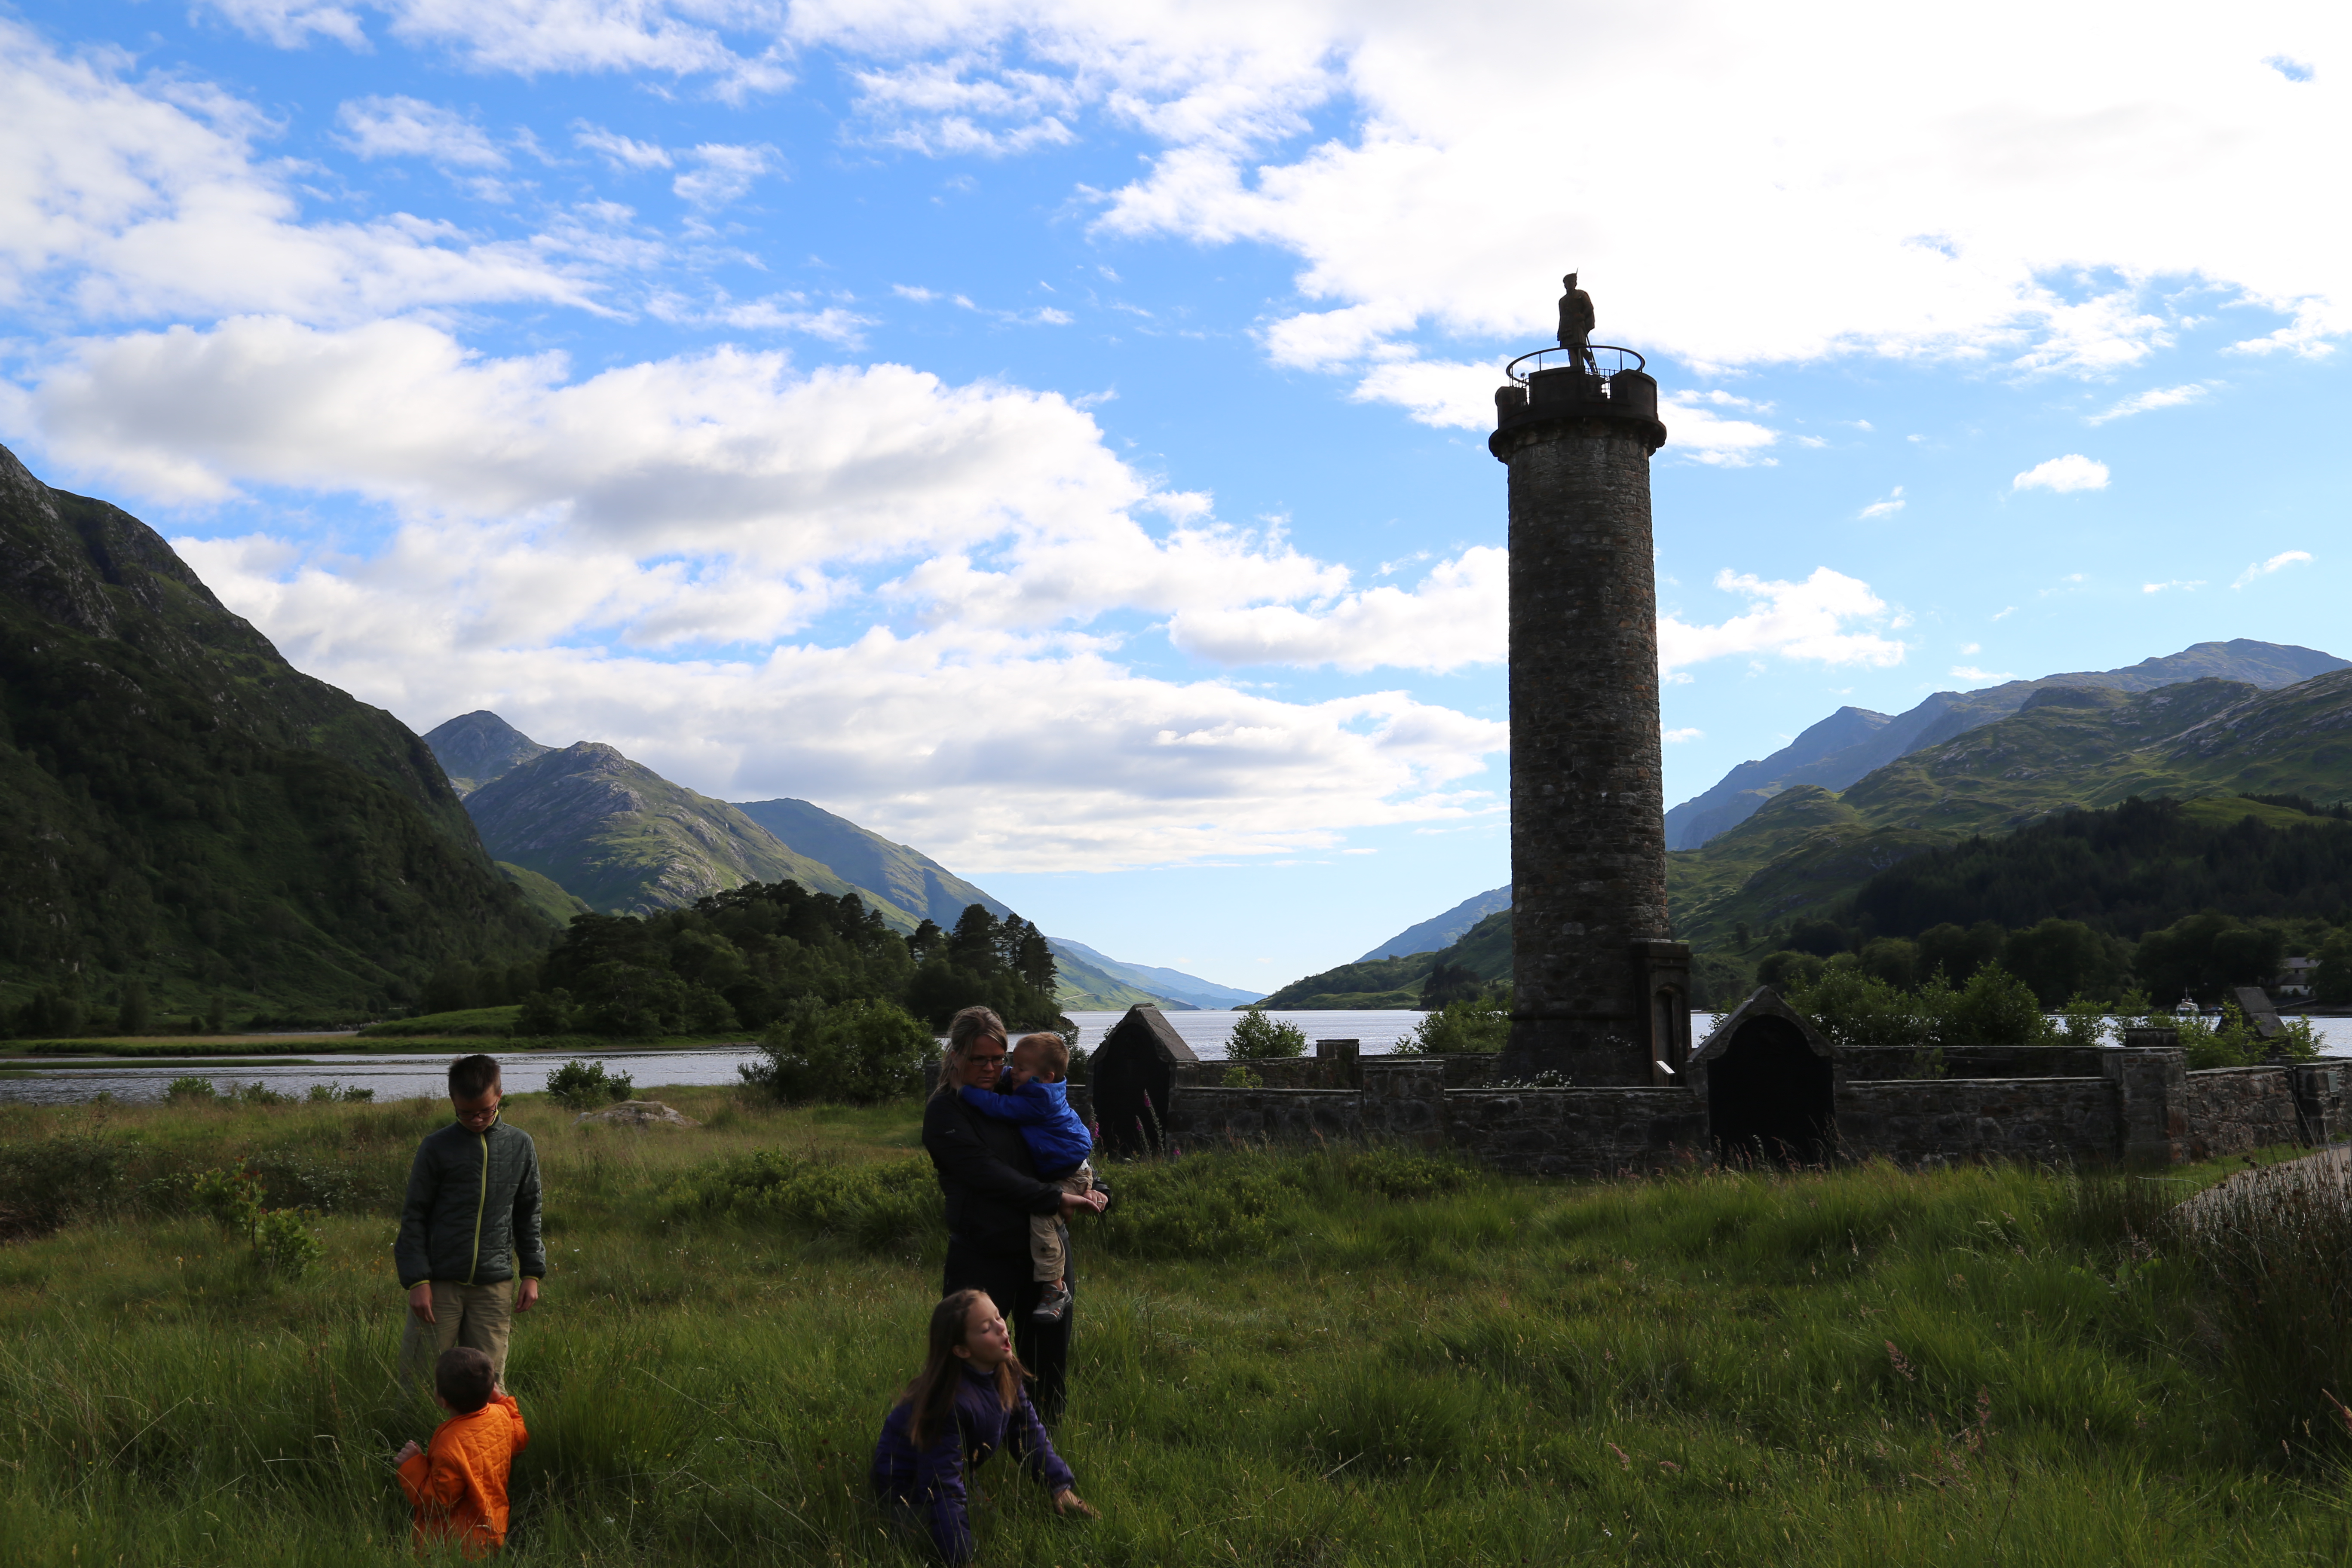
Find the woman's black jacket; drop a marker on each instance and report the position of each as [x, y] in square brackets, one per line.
[987, 1177]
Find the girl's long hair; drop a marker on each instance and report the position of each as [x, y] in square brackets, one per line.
[932, 1394]
[969, 1025]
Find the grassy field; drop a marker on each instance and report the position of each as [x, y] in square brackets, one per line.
[1335, 1357]
[430, 1042]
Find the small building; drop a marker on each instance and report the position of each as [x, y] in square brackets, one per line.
[1130, 1077]
[2295, 979]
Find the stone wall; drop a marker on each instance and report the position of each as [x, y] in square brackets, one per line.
[1875, 1064]
[2140, 1109]
[2232, 1110]
[1922, 1121]
[1577, 1132]
[1203, 1117]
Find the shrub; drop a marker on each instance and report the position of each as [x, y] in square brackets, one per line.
[2083, 1022]
[859, 1051]
[47, 1182]
[2234, 1042]
[1855, 1007]
[259, 1093]
[584, 1085]
[339, 1094]
[285, 1245]
[1239, 1076]
[1471, 1023]
[1210, 1206]
[1258, 1037]
[1997, 1008]
[189, 1088]
[231, 1198]
[875, 1207]
[282, 1241]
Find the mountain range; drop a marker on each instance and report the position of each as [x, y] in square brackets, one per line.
[587, 824]
[1859, 792]
[1854, 742]
[189, 823]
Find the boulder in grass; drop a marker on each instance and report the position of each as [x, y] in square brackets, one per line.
[638, 1113]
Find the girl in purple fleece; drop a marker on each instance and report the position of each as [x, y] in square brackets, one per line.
[966, 1403]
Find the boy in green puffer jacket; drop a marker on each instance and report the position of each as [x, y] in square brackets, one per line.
[470, 1228]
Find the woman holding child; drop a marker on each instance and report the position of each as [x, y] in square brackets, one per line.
[995, 1181]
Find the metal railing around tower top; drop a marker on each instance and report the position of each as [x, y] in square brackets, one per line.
[1604, 359]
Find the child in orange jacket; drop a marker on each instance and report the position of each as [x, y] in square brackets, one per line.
[459, 1485]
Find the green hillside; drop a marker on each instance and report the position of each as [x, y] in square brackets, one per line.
[550, 901]
[186, 818]
[910, 879]
[1484, 950]
[1382, 983]
[1081, 987]
[1808, 848]
[622, 839]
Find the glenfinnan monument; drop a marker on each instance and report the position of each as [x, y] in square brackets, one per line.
[1602, 992]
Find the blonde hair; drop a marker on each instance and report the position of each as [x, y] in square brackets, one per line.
[1053, 1056]
[969, 1025]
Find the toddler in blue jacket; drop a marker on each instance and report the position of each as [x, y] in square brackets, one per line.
[1036, 1099]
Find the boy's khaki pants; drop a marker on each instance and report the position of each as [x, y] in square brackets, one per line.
[479, 1317]
[1046, 1231]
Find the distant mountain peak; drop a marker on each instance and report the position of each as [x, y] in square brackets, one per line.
[475, 748]
[1853, 742]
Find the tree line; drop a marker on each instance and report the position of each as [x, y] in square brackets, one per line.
[746, 958]
[2100, 905]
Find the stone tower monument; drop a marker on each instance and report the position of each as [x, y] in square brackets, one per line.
[1601, 991]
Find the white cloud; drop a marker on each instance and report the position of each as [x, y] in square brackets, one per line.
[2264, 568]
[1697, 431]
[532, 37]
[620, 152]
[1975, 677]
[1459, 616]
[289, 24]
[1968, 648]
[553, 536]
[2071, 472]
[1676, 737]
[2034, 208]
[117, 203]
[1823, 619]
[1888, 507]
[2003, 615]
[2185, 586]
[2156, 397]
[411, 128]
[726, 172]
[994, 752]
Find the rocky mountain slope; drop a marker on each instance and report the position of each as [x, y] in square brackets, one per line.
[616, 834]
[183, 811]
[1439, 930]
[1854, 742]
[475, 748]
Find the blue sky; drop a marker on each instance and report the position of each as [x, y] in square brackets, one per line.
[1054, 435]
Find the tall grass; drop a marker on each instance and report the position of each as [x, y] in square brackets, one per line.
[1337, 1357]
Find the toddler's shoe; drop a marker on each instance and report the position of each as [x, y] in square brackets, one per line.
[1054, 1304]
